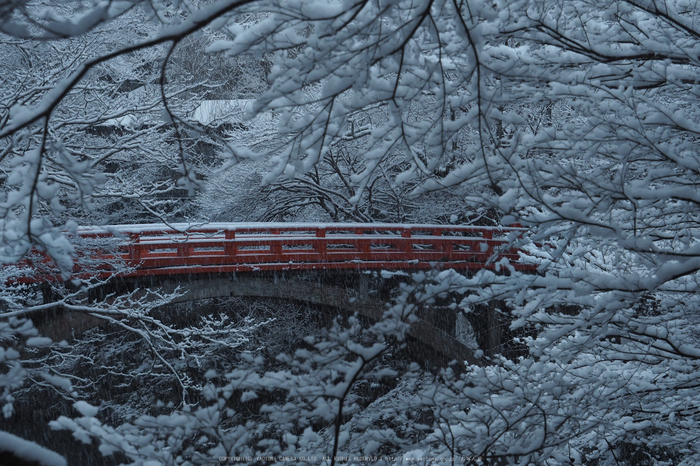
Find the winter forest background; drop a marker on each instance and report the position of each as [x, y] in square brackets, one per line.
[579, 120]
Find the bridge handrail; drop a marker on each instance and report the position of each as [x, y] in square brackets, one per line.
[218, 248]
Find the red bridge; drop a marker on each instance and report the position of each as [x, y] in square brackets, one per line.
[232, 247]
[260, 260]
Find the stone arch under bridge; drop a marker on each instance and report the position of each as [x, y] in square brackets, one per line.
[343, 293]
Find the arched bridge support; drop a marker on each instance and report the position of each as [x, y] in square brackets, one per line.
[346, 293]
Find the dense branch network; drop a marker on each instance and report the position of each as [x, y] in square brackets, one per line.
[579, 120]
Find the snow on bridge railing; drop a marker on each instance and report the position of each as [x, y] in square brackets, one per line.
[235, 247]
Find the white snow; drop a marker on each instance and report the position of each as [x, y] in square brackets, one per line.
[30, 451]
[183, 227]
[213, 112]
[85, 408]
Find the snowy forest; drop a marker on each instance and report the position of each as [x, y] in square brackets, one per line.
[575, 120]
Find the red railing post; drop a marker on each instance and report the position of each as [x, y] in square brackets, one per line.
[486, 247]
[134, 252]
[363, 246]
[229, 242]
[320, 244]
[184, 249]
[406, 246]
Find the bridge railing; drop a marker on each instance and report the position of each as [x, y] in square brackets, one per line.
[218, 248]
